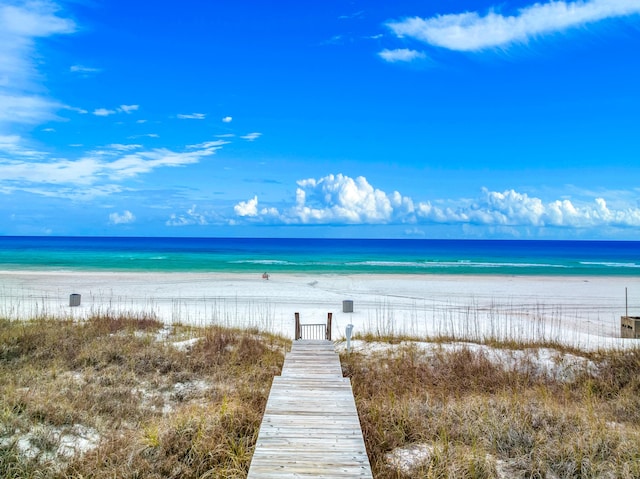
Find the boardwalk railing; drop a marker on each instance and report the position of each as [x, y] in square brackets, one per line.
[313, 331]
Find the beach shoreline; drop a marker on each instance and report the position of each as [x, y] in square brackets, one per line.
[580, 310]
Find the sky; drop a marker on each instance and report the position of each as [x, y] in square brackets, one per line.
[341, 118]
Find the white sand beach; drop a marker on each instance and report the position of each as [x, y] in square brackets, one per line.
[581, 311]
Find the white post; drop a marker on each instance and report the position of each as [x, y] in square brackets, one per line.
[348, 331]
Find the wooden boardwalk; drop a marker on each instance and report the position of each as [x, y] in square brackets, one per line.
[310, 426]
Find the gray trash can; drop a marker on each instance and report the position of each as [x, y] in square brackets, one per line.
[347, 306]
[74, 300]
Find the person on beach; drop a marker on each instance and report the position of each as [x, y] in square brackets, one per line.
[265, 275]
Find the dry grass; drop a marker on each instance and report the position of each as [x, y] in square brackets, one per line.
[126, 396]
[456, 413]
[117, 397]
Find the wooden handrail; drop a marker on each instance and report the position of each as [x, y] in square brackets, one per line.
[313, 330]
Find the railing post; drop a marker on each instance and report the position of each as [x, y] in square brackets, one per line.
[328, 333]
[298, 333]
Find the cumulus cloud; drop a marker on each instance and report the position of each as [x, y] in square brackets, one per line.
[192, 116]
[124, 218]
[511, 208]
[471, 31]
[227, 119]
[400, 55]
[20, 25]
[247, 208]
[340, 199]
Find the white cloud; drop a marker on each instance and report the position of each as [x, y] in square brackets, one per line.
[339, 199]
[83, 69]
[121, 109]
[15, 146]
[332, 199]
[191, 217]
[470, 31]
[400, 55]
[251, 136]
[128, 108]
[125, 218]
[56, 177]
[103, 112]
[192, 116]
[510, 208]
[18, 107]
[227, 119]
[144, 135]
[121, 147]
[20, 25]
[81, 111]
[213, 145]
[247, 208]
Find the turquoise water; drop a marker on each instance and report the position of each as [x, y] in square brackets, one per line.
[556, 258]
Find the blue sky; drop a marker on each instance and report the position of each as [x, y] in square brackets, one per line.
[420, 119]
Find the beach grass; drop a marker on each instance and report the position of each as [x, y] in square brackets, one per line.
[130, 396]
[127, 396]
[466, 412]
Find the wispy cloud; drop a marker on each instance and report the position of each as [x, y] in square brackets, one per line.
[339, 199]
[209, 145]
[125, 218]
[471, 31]
[81, 111]
[192, 116]
[20, 25]
[83, 69]
[227, 119]
[190, 217]
[121, 109]
[103, 112]
[118, 147]
[128, 108]
[100, 171]
[251, 136]
[144, 135]
[12, 146]
[400, 55]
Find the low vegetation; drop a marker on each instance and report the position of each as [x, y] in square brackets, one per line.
[127, 396]
[459, 412]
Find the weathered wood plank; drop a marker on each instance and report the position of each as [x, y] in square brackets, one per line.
[310, 428]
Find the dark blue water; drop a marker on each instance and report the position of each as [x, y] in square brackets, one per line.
[556, 258]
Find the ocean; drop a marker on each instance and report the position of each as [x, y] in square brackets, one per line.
[327, 256]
